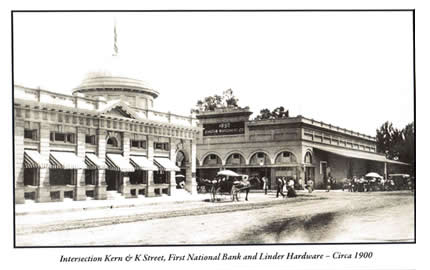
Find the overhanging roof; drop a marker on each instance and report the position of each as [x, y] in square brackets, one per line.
[356, 154]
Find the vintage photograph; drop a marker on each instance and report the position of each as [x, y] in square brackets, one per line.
[213, 128]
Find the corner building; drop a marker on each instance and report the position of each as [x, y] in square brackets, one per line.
[102, 142]
[294, 147]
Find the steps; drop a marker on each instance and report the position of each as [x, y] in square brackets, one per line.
[113, 195]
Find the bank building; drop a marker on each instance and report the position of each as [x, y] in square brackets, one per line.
[104, 140]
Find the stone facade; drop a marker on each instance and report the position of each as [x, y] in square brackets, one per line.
[82, 125]
[294, 147]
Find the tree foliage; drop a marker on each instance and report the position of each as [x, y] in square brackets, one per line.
[210, 103]
[277, 113]
[396, 144]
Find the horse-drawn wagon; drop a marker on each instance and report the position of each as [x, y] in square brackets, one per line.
[227, 184]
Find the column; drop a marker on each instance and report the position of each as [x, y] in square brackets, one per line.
[150, 181]
[124, 188]
[79, 194]
[100, 190]
[19, 161]
[385, 170]
[191, 183]
[43, 192]
[172, 156]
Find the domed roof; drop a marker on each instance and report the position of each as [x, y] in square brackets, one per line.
[115, 74]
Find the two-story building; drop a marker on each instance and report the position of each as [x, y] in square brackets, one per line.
[294, 147]
[103, 141]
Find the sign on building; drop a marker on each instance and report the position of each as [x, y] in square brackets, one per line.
[225, 128]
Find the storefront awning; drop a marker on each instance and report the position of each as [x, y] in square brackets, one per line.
[142, 163]
[66, 160]
[93, 162]
[32, 159]
[165, 164]
[117, 162]
[357, 154]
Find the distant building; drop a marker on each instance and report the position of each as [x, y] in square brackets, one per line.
[104, 141]
[294, 147]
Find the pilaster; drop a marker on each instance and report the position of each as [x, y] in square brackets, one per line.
[191, 183]
[43, 191]
[150, 180]
[19, 161]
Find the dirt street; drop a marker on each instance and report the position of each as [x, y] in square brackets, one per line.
[319, 217]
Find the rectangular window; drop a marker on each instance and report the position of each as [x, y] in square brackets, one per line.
[212, 157]
[62, 137]
[236, 156]
[260, 155]
[138, 144]
[90, 139]
[161, 146]
[30, 134]
[161, 177]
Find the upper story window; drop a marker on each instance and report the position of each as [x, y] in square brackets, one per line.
[138, 144]
[236, 156]
[31, 131]
[62, 137]
[90, 139]
[161, 146]
[112, 142]
[260, 155]
[30, 134]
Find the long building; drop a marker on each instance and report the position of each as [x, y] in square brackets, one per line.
[104, 140]
[293, 147]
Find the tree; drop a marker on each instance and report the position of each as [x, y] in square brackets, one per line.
[277, 113]
[396, 144]
[210, 103]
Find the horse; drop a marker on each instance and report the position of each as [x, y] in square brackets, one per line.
[205, 184]
[247, 184]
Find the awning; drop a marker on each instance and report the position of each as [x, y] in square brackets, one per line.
[117, 162]
[165, 164]
[93, 162]
[142, 163]
[32, 159]
[66, 160]
[357, 154]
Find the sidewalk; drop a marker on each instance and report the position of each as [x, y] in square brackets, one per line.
[68, 205]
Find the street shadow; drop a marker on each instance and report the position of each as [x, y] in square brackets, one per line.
[305, 229]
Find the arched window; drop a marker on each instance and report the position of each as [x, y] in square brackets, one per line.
[235, 159]
[180, 159]
[308, 158]
[112, 142]
[285, 157]
[212, 159]
[260, 158]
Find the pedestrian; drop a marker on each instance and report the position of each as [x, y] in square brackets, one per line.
[279, 187]
[291, 191]
[310, 185]
[300, 183]
[265, 184]
[328, 184]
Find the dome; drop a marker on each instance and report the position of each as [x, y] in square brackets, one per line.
[117, 75]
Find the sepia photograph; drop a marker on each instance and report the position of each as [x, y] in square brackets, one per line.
[234, 127]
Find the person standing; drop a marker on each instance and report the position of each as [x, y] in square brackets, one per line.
[310, 185]
[279, 187]
[265, 180]
[328, 184]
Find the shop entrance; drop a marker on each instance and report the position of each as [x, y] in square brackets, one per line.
[112, 180]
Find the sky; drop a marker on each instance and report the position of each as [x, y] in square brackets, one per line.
[349, 69]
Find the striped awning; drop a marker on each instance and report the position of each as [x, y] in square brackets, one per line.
[93, 162]
[165, 164]
[117, 162]
[142, 163]
[32, 159]
[66, 160]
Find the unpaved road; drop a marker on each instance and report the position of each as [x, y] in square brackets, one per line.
[320, 217]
